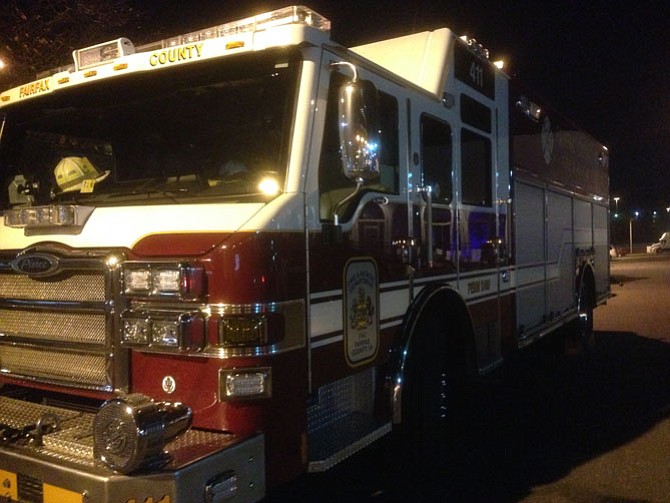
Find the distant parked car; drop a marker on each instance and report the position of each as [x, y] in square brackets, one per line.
[663, 244]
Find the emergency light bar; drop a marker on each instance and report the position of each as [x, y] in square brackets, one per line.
[296, 14]
[102, 53]
[107, 59]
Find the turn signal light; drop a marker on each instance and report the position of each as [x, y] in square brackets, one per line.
[251, 330]
[245, 384]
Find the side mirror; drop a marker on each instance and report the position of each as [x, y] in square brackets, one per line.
[359, 130]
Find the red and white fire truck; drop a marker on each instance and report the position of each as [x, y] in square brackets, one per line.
[241, 254]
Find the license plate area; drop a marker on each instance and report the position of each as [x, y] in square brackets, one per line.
[24, 488]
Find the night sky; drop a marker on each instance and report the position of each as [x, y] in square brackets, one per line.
[602, 63]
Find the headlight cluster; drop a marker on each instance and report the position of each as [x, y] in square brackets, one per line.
[163, 330]
[167, 311]
[167, 325]
[163, 280]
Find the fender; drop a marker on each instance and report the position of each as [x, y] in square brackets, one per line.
[445, 295]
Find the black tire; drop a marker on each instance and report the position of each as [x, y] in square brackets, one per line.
[580, 332]
[433, 396]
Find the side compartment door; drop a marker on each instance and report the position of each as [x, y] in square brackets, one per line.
[530, 255]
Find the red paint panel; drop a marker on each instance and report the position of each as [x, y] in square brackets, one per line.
[282, 418]
[554, 148]
[178, 244]
[196, 385]
[242, 268]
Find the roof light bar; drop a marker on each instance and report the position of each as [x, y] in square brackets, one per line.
[108, 51]
[102, 53]
[476, 47]
[296, 14]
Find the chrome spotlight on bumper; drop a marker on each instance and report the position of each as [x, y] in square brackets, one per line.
[130, 433]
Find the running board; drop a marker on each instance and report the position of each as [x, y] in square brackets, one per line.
[340, 439]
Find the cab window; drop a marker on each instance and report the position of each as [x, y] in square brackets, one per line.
[475, 168]
[436, 151]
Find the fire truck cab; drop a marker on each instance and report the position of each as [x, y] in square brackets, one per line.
[244, 253]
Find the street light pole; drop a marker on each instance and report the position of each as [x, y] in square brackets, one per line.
[630, 231]
[616, 217]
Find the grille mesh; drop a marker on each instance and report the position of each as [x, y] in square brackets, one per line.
[62, 327]
[80, 288]
[72, 368]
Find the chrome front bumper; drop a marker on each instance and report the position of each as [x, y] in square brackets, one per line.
[59, 467]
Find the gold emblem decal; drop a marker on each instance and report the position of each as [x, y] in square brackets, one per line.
[361, 311]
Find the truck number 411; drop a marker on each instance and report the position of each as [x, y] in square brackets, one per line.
[477, 74]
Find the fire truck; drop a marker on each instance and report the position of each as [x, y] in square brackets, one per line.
[242, 254]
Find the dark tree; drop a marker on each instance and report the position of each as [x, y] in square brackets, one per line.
[37, 35]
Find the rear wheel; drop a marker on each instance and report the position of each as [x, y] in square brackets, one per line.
[580, 336]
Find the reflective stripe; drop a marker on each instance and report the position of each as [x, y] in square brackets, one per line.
[53, 494]
[8, 487]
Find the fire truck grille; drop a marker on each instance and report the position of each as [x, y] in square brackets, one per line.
[60, 329]
[81, 287]
[83, 369]
[63, 327]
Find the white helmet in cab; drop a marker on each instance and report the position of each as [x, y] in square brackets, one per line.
[71, 172]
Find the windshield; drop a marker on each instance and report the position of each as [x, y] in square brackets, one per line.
[217, 129]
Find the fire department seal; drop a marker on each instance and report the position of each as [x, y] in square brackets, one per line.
[361, 311]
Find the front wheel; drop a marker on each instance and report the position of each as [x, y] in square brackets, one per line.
[434, 394]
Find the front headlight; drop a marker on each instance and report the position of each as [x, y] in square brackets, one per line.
[163, 330]
[163, 279]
